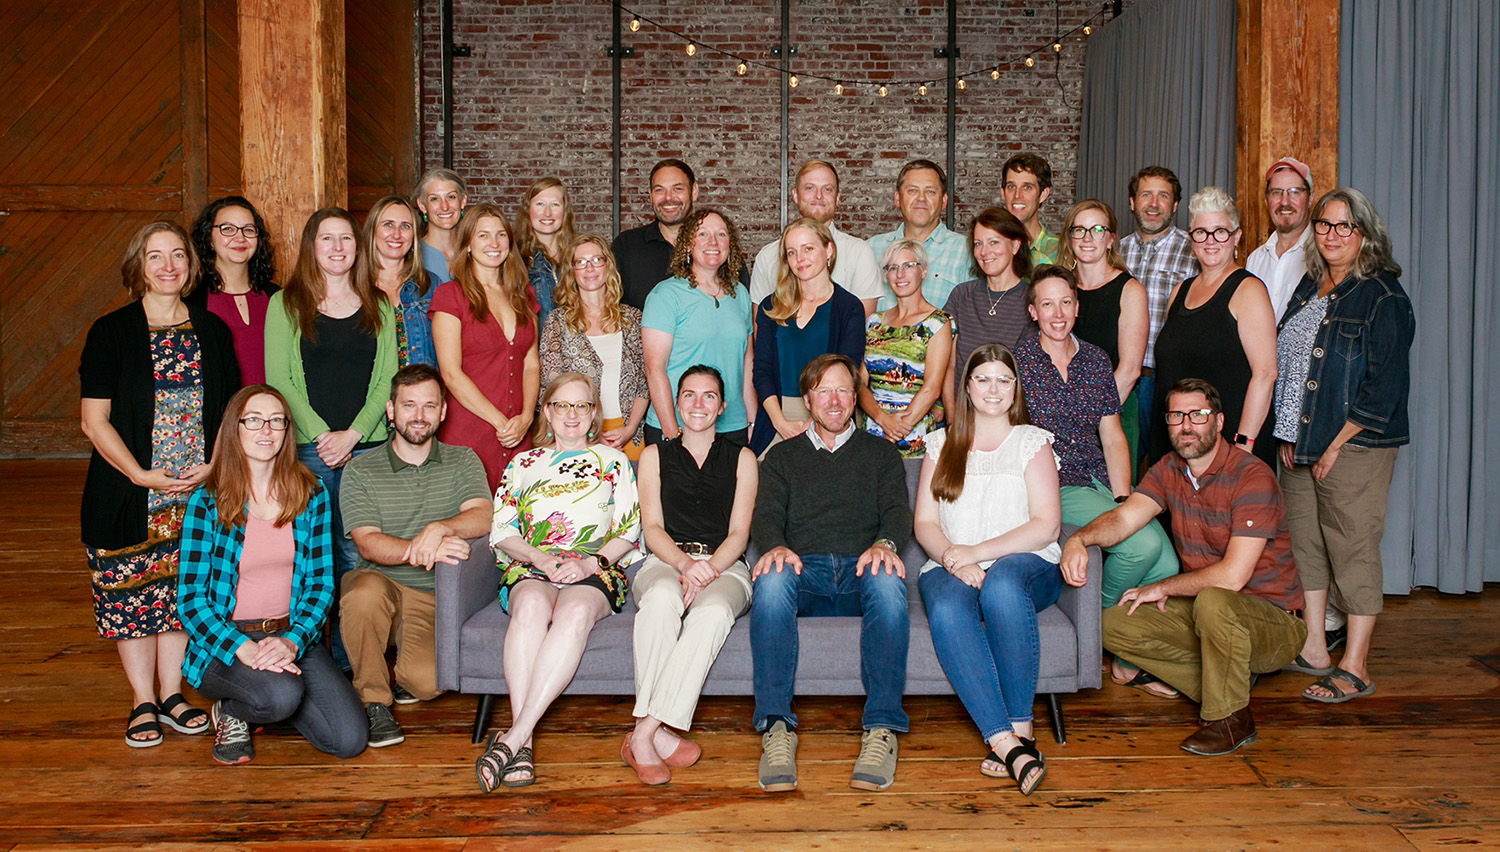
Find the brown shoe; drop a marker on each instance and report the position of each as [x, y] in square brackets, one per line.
[1223, 736]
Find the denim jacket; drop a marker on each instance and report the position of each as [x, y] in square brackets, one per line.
[1361, 369]
[416, 325]
[542, 279]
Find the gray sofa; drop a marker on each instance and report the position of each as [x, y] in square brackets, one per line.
[470, 635]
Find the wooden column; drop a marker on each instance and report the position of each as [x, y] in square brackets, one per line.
[292, 113]
[1288, 99]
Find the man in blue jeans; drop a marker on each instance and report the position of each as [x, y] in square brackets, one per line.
[830, 517]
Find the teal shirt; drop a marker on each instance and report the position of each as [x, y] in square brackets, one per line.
[707, 331]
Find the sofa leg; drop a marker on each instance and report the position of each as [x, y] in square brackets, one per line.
[482, 717]
[1054, 711]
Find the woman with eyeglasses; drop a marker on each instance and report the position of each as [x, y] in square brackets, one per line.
[239, 271]
[256, 586]
[1344, 352]
[1111, 305]
[1220, 328]
[567, 520]
[592, 332]
[544, 229]
[907, 349]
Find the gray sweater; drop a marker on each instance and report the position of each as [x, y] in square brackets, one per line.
[814, 501]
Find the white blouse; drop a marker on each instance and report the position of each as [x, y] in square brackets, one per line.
[610, 348]
[993, 501]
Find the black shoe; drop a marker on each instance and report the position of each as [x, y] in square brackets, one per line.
[384, 731]
[402, 696]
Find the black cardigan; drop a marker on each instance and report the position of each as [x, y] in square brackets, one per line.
[116, 365]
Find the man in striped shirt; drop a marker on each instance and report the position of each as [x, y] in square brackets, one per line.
[1227, 617]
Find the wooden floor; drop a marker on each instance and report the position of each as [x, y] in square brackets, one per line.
[1416, 766]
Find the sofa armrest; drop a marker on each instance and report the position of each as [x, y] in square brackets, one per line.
[462, 590]
[1081, 605]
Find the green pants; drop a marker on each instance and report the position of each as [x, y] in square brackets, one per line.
[1208, 646]
[1130, 421]
[1144, 557]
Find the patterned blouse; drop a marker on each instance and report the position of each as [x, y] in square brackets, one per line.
[564, 348]
[1071, 409]
[896, 357]
[1294, 345]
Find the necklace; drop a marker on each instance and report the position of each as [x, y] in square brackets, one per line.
[995, 303]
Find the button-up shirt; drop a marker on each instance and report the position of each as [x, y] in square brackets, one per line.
[839, 440]
[1281, 273]
[1160, 265]
[1071, 408]
[1044, 248]
[949, 262]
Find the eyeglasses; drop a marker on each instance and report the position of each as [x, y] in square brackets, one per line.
[998, 381]
[908, 266]
[566, 408]
[1198, 417]
[1220, 235]
[227, 231]
[255, 423]
[589, 262]
[1343, 229]
[1078, 232]
[1290, 193]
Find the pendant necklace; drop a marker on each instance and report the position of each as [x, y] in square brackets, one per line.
[995, 303]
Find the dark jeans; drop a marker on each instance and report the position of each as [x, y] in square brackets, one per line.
[319, 703]
[345, 554]
[1145, 388]
[739, 437]
[828, 586]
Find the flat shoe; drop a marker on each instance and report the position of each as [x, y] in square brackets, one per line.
[179, 722]
[1339, 696]
[523, 762]
[147, 711]
[686, 754]
[1302, 666]
[990, 773]
[496, 758]
[650, 774]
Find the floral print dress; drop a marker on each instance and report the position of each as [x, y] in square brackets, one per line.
[567, 502]
[896, 358]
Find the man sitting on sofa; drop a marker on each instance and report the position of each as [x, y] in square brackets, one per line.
[830, 517]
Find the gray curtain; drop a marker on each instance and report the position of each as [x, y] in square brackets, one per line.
[1158, 89]
[1419, 133]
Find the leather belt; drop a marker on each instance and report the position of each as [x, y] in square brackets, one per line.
[695, 548]
[264, 625]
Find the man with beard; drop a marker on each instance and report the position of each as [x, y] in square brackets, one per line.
[816, 194]
[830, 518]
[643, 254]
[407, 509]
[1281, 261]
[1227, 618]
[922, 196]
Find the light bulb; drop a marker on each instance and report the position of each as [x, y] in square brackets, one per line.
[995, 74]
[1030, 63]
[635, 25]
[838, 88]
[1088, 30]
[691, 49]
[961, 84]
[741, 69]
[922, 89]
[792, 81]
[882, 91]
[1057, 47]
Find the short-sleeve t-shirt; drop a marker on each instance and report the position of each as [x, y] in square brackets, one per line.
[1236, 496]
[705, 330]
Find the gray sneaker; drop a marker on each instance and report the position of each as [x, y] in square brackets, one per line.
[778, 759]
[231, 738]
[384, 731]
[876, 767]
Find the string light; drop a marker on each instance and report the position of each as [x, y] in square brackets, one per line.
[1030, 63]
[1088, 30]
[742, 69]
[1057, 47]
[635, 25]
[995, 74]
[882, 91]
[961, 84]
[792, 81]
[922, 90]
[692, 49]
[838, 88]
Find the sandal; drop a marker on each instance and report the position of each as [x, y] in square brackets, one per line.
[1339, 696]
[1302, 666]
[181, 722]
[1144, 680]
[145, 710]
[1029, 779]
[521, 763]
[496, 758]
[990, 773]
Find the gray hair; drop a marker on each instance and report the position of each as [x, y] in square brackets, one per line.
[1374, 256]
[1211, 199]
[888, 256]
[440, 174]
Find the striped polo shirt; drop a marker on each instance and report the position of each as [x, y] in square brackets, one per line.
[1236, 496]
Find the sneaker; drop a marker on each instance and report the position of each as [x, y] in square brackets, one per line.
[778, 759]
[384, 731]
[402, 696]
[231, 738]
[876, 767]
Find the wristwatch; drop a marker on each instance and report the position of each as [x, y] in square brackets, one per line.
[1243, 440]
[885, 543]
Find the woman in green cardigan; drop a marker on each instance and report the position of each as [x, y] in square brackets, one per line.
[331, 351]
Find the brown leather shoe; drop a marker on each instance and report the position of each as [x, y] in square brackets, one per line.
[1223, 736]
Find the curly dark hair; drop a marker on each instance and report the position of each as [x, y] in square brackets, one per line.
[262, 263]
[682, 254]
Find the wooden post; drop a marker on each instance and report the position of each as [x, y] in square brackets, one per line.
[1288, 99]
[191, 14]
[292, 113]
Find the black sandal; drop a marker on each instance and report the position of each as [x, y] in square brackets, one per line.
[179, 722]
[150, 726]
[496, 758]
[1035, 771]
[523, 762]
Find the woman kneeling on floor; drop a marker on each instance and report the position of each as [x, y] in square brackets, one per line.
[255, 585]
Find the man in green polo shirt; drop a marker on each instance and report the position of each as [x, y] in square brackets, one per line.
[407, 508]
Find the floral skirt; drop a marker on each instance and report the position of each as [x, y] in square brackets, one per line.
[610, 582]
[135, 588]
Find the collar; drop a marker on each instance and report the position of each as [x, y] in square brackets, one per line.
[839, 440]
[398, 464]
[1171, 233]
[1221, 457]
[1303, 239]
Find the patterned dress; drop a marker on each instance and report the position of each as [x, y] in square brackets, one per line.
[895, 358]
[135, 588]
[567, 502]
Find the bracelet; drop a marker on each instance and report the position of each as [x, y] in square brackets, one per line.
[603, 563]
[1243, 440]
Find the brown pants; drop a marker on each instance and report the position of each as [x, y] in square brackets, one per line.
[376, 612]
[1336, 526]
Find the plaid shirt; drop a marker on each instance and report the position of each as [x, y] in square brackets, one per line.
[1044, 248]
[1160, 264]
[208, 577]
[949, 263]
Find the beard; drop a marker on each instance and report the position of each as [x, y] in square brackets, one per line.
[1198, 447]
[416, 432]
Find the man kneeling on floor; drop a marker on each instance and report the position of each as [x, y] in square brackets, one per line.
[407, 508]
[830, 517]
[1228, 616]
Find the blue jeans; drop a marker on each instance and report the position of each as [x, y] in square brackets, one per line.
[828, 586]
[1145, 389]
[345, 554]
[319, 703]
[986, 638]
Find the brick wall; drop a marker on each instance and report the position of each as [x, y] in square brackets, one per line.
[534, 99]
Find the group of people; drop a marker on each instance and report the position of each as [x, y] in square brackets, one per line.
[445, 370]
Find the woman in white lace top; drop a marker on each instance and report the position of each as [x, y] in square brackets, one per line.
[988, 510]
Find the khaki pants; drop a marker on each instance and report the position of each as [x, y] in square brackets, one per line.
[674, 647]
[792, 408]
[1207, 647]
[376, 612]
[1336, 526]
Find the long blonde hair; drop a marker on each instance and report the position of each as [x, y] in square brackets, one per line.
[787, 297]
[526, 242]
[1112, 255]
[368, 265]
[570, 301]
[512, 272]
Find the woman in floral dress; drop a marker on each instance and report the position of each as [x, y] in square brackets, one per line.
[566, 525]
[907, 349]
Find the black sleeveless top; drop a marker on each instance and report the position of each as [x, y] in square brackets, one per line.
[1099, 317]
[696, 502]
[1204, 343]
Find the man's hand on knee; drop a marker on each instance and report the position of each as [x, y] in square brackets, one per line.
[777, 558]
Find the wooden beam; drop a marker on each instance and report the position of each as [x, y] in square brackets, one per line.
[1288, 99]
[193, 48]
[292, 112]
